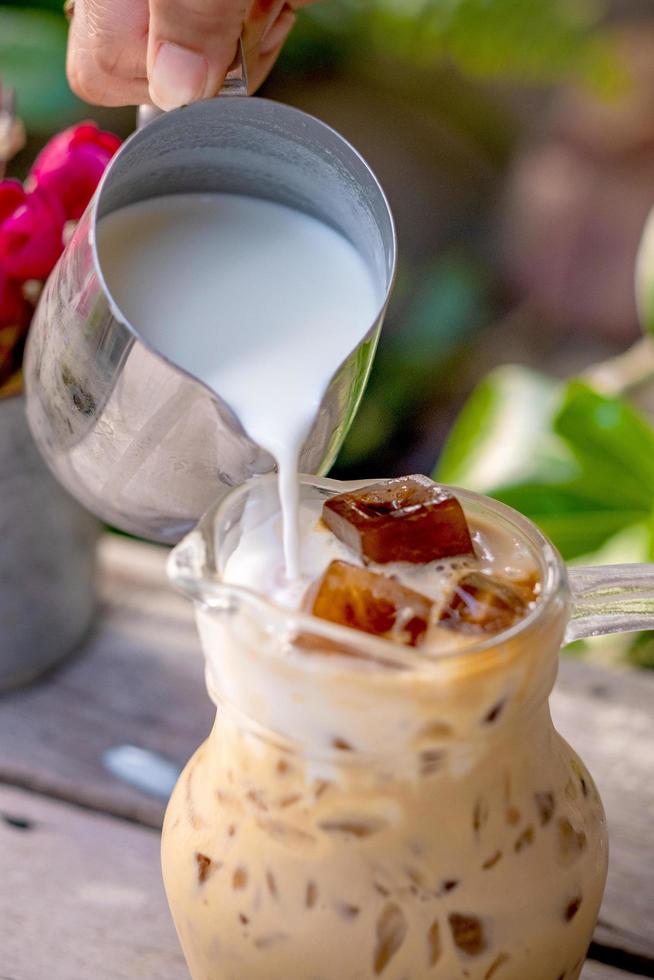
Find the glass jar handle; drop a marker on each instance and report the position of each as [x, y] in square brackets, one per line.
[236, 83]
[610, 599]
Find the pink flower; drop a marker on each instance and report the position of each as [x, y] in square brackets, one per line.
[71, 164]
[31, 231]
[15, 311]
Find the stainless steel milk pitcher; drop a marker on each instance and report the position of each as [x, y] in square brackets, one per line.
[139, 441]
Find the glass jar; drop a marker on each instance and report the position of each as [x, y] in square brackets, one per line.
[362, 810]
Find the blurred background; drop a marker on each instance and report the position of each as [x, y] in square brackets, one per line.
[515, 140]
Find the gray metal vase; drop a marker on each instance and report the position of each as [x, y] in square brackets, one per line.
[47, 558]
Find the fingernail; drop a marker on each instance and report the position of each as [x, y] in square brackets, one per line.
[178, 76]
[277, 34]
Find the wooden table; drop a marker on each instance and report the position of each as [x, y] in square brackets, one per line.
[80, 889]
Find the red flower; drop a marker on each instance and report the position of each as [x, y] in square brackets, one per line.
[31, 231]
[12, 195]
[15, 311]
[71, 164]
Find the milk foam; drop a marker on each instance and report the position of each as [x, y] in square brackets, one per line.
[260, 302]
[257, 562]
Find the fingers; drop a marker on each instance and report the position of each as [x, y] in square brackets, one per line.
[264, 53]
[106, 61]
[171, 52]
[271, 35]
[191, 45]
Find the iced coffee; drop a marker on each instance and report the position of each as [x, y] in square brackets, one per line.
[383, 793]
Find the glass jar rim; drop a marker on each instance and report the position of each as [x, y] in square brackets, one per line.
[203, 583]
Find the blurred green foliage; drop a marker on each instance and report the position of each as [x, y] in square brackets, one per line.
[578, 463]
[441, 307]
[533, 40]
[544, 40]
[56, 5]
[32, 60]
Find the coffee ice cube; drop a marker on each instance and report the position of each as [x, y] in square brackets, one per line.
[482, 603]
[370, 602]
[408, 519]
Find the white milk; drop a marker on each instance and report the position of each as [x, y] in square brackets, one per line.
[260, 302]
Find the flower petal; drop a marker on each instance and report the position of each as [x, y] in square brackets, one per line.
[31, 238]
[12, 196]
[72, 163]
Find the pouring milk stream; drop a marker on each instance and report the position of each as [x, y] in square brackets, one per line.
[257, 300]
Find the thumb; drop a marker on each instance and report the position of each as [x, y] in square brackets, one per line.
[191, 45]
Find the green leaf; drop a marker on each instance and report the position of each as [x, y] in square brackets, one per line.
[631, 544]
[577, 463]
[33, 60]
[503, 434]
[575, 524]
[613, 443]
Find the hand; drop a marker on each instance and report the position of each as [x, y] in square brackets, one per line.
[170, 52]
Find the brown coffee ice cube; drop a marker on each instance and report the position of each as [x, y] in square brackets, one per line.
[407, 519]
[370, 602]
[482, 603]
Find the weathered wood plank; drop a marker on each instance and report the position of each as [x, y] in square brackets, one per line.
[81, 896]
[140, 681]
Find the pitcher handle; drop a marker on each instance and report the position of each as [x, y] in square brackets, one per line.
[610, 599]
[236, 83]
